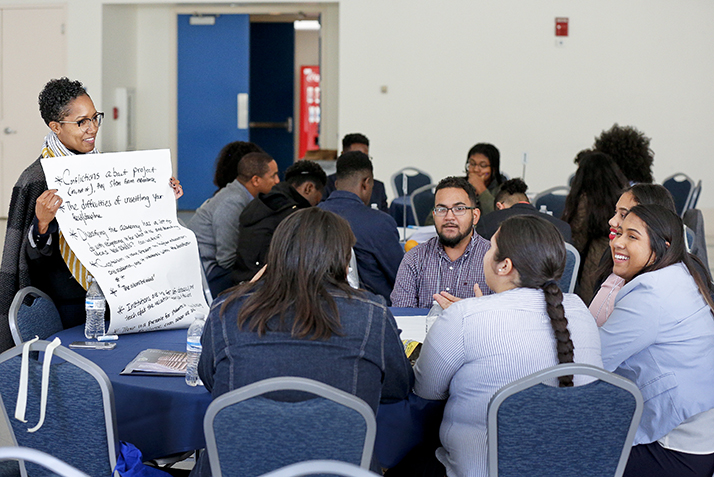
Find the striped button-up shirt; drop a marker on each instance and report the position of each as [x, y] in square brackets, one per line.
[427, 269]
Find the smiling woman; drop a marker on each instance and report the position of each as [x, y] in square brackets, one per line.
[660, 336]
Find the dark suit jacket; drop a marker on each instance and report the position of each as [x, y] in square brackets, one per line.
[379, 195]
[489, 224]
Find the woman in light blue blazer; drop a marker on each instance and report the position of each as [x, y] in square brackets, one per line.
[661, 336]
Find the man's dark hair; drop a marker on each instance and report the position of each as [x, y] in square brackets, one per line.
[55, 97]
[253, 164]
[459, 183]
[630, 149]
[509, 188]
[306, 171]
[228, 159]
[351, 163]
[494, 157]
[354, 138]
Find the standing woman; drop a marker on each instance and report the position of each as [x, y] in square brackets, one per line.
[661, 336]
[302, 318]
[31, 255]
[483, 171]
[596, 187]
[478, 345]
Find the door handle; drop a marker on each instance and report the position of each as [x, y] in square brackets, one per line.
[287, 125]
[9, 130]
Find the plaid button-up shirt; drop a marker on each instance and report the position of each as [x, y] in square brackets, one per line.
[427, 269]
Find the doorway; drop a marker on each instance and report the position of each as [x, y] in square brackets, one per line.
[255, 49]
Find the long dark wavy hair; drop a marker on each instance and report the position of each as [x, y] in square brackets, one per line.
[598, 181]
[537, 250]
[665, 232]
[307, 259]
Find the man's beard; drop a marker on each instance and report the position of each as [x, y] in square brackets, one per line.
[451, 242]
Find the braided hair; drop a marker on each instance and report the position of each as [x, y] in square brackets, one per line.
[537, 250]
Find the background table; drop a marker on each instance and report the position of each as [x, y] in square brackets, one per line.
[158, 414]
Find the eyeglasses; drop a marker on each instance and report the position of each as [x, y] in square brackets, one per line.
[480, 165]
[458, 210]
[84, 123]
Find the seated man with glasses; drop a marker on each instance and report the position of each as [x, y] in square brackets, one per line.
[451, 264]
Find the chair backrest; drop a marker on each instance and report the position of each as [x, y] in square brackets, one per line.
[422, 200]
[553, 199]
[249, 434]
[539, 430]
[572, 266]
[681, 186]
[321, 467]
[45, 460]
[33, 313]
[694, 223]
[80, 424]
[415, 178]
[694, 197]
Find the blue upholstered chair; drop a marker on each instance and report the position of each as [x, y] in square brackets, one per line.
[694, 197]
[321, 467]
[422, 202]
[536, 429]
[33, 313]
[553, 199]
[572, 266]
[681, 186]
[415, 178]
[80, 424]
[45, 460]
[695, 234]
[249, 434]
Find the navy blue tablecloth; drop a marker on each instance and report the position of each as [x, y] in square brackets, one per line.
[163, 415]
[396, 210]
[159, 415]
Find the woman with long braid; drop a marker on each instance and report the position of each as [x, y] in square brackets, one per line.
[480, 344]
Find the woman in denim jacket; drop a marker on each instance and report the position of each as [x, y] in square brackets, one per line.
[661, 336]
[301, 318]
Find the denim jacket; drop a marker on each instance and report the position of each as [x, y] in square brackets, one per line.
[367, 359]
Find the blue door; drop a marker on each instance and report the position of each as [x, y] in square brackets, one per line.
[213, 69]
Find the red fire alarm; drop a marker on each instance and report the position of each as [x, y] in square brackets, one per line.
[561, 26]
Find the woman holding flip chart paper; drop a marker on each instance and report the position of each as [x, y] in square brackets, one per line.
[35, 252]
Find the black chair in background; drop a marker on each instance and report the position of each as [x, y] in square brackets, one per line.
[553, 199]
[681, 186]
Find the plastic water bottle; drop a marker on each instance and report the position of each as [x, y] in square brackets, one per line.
[433, 314]
[94, 306]
[193, 350]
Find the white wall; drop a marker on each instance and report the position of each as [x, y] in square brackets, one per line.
[460, 72]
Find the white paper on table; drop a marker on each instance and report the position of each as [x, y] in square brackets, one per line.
[119, 218]
[413, 327]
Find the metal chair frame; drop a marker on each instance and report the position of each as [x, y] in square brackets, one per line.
[15, 306]
[38, 457]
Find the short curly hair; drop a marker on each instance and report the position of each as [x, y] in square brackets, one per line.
[630, 149]
[55, 97]
[306, 171]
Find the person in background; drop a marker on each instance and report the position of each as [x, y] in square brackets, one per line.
[31, 255]
[305, 321]
[304, 182]
[592, 198]
[451, 264]
[512, 200]
[227, 161]
[483, 171]
[377, 250]
[359, 142]
[630, 149]
[661, 336]
[479, 345]
[217, 222]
